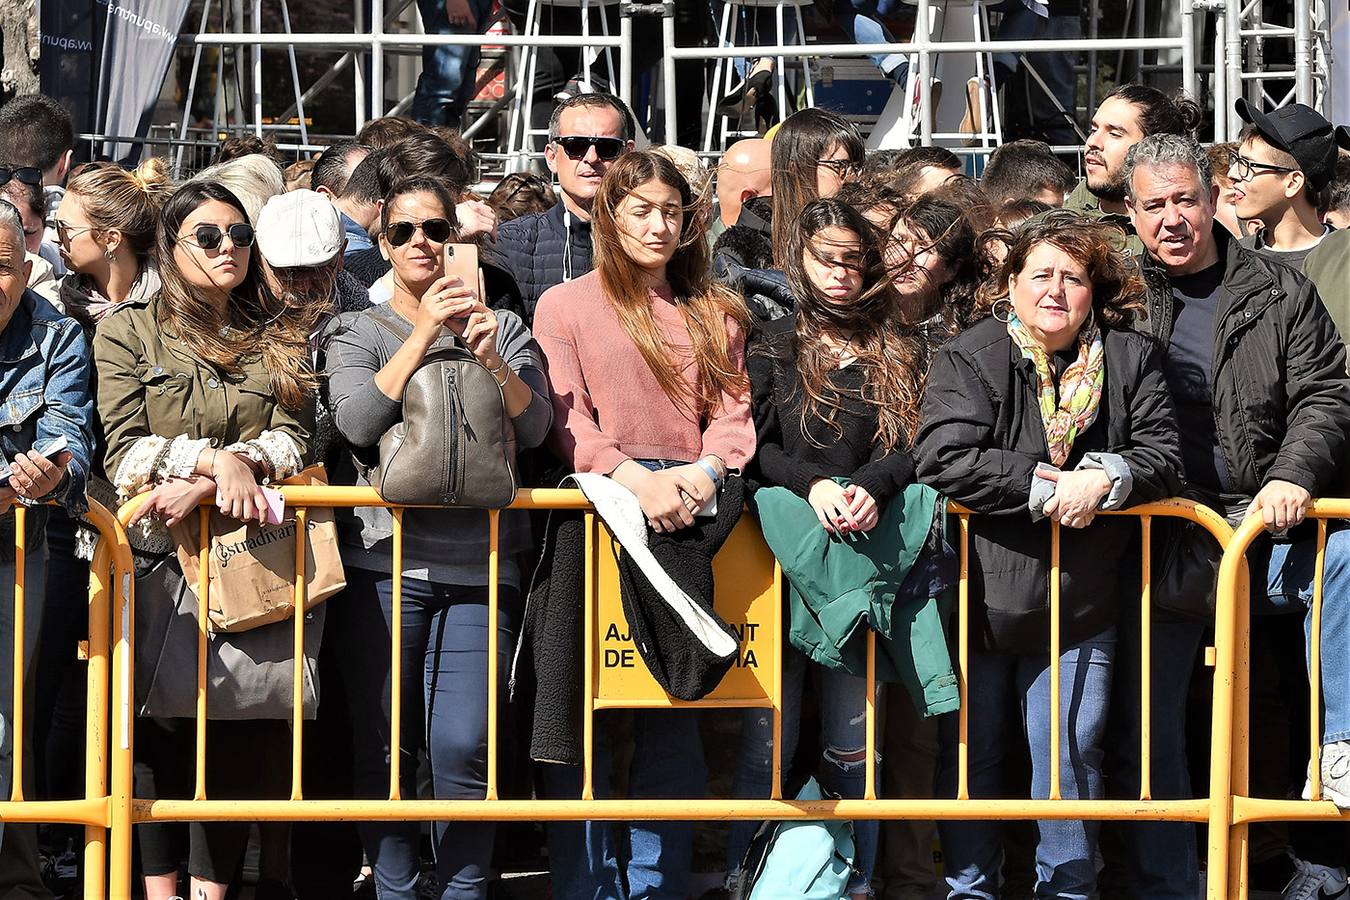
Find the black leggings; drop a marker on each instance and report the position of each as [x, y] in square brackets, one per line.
[244, 760]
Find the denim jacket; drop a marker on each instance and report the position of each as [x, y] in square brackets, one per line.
[44, 394]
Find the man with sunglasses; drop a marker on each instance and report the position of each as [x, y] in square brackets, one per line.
[1281, 172]
[586, 134]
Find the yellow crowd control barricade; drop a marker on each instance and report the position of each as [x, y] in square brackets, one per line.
[97, 811]
[749, 597]
[1232, 696]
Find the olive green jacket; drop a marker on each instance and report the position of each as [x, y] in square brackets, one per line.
[158, 405]
[1328, 267]
[1084, 201]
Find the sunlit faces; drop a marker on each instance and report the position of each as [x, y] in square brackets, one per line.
[77, 237]
[832, 260]
[931, 178]
[1173, 214]
[1262, 184]
[419, 260]
[650, 219]
[219, 270]
[833, 170]
[919, 271]
[580, 178]
[1052, 296]
[1114, 130]
[32, 222]
[14, 272]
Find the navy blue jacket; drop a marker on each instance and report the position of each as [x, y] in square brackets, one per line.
[533, 248]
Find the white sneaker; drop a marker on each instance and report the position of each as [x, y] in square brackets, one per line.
[1314, 882]
[1335, 775]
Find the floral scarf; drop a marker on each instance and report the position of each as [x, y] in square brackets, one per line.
[1069, 407]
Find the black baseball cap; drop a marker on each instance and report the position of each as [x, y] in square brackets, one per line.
[1300, 131]
[1343, 136]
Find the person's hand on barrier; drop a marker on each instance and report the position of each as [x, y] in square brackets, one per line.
[863, 506]
[1078, 495]
[665, 497]
[33, 476]
[1282, 504]
[238, 494]
[831, 503]
[175, 499]
[706, 489]
[475, 218]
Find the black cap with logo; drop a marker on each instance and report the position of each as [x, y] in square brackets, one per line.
[1301, 132]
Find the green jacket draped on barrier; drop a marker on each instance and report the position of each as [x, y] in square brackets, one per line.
[841, 587]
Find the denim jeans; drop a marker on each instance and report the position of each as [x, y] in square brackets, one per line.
[630, 860]
[444, 710]
[446, 84]
[35, 576]
[843, 725]
[999, 683]
[861, 21]
[1042, 118]
[1289, 568]
[1160, 858]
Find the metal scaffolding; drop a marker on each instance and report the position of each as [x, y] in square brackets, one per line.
[1243, 40]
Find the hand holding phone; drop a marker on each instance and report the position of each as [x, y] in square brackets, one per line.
[276, 506]
[50, 451]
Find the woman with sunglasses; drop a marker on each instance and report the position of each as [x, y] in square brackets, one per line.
[444, 579]
[814, 154]
[836, 389]
[647, 363]
[205, 392]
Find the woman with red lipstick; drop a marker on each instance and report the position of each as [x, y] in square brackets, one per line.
[204, 391]
[1050, 408]
[835, 395]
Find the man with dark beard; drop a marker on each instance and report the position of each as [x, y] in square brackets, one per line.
[1129, 114]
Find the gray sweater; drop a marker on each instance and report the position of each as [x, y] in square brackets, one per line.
[446, 546]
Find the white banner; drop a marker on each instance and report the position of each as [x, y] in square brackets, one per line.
[138, 42]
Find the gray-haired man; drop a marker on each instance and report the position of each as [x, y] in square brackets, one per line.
[1258, 374]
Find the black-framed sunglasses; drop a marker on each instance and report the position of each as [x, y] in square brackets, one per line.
[1247, 169]
[209, 237]
[437, 231]
[577, 146]
[842, 167]
[27, 174]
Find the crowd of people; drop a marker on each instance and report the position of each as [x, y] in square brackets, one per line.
[839, 340]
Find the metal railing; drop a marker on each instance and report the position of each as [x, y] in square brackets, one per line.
[129, 811]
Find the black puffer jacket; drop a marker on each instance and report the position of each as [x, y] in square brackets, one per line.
[979, 444]
[1281, 392]
[535, 250]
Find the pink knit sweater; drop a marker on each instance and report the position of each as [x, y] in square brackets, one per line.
[608, 406]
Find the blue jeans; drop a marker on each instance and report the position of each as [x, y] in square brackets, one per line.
[861, 21]
[1160, 859]
[1044, 120]
[444, 710]
[999, 682]
[843, 708]
[1289, 569]
[585, 858]
[446, 84]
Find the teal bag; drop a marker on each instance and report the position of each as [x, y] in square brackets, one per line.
[808, 860]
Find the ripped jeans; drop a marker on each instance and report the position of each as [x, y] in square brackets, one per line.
[843, 725]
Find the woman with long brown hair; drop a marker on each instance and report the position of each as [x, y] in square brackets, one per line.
[205, 390]
[835, 394]
[647, 363]
[814, 154]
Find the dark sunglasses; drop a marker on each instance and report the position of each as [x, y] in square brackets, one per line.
[26, 174]
[437, 231]
[208, 237]
[576, 147]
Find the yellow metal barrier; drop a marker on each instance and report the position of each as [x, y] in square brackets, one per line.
[97, 811]
[749, 591]
[1232, 696]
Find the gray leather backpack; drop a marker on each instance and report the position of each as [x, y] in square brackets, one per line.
[455, 445]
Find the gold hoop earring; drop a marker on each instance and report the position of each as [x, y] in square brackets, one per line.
[110, 255]
[1005, 305]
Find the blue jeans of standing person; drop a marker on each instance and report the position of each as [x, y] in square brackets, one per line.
[444, 709]
[1056, 69]
[585, 860]
[843, 724]
[861, 21]
[1160, 859]
[999, 683]
[1287, 588]
[449, 74]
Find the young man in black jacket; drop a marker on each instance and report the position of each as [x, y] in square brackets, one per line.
[1258, 374]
